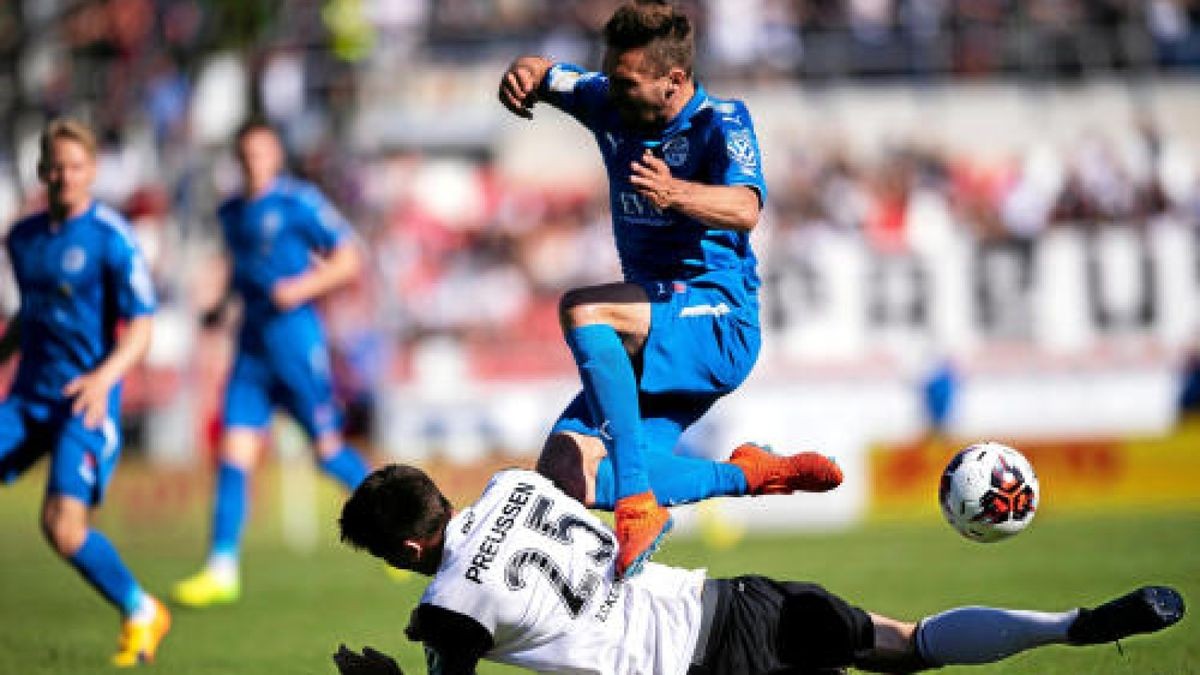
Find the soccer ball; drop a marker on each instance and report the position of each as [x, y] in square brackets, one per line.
[988, 492]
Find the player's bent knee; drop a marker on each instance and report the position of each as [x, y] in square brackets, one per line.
[575, 309]
[564, 462]
[817, 629]
[895, 649]
[64, 533]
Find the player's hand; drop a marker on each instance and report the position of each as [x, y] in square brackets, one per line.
[370, 662]
[290, 293]
[90, 394]
[519, 84]
[652, 179]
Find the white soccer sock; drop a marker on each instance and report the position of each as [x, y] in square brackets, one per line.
[987, 634]
[224, 567]
[143, 610]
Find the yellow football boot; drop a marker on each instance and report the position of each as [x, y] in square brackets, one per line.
[205, 589]
[139, 640]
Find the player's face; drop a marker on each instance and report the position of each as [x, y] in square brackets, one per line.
[641, 94]
[68, 172]
[261, 158]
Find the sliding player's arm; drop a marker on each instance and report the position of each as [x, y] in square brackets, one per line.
[454, 643]
[369, 662]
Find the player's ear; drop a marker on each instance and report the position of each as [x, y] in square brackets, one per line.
[677, 78]
[414, 548]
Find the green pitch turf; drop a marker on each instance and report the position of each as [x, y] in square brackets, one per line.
[297, 607]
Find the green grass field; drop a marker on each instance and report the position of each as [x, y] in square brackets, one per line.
[298, 607]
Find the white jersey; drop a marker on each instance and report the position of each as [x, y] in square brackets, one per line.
[535, 569]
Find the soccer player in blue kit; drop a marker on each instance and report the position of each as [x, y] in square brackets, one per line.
[655, 351]
[288, 246]
[79, 273]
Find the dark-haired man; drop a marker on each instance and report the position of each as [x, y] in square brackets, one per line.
[526, 576]
[656, 350]
[288, 246]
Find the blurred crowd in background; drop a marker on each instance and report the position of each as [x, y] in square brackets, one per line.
[463, 249]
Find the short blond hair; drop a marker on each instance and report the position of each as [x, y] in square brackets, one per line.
[70, 129]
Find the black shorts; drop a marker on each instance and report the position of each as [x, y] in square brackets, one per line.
[764, 626]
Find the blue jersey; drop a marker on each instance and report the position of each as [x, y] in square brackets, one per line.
[710, 141]
[77, 280]
[269, 239]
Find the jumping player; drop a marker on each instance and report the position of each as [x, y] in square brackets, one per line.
[79, 273]
[655, 351]
[288, 246]
[526, 576]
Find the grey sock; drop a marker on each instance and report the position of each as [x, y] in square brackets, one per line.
[987, 634]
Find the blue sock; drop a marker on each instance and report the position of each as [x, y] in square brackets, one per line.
[347, 466]
[101, 565]
[229, 513]
[677, 480]
[611, 387]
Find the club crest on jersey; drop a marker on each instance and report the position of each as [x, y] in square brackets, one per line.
[675, 151]
[740, 145]
[271, 221]
[74, 259]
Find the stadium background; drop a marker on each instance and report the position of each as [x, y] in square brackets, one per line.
[983, 224]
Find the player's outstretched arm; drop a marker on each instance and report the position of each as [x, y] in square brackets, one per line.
[369, 662]
[10, 342]
[90, 390]
[519, 84]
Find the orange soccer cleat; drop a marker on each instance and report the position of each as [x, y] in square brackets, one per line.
[140, 639]
[641, 524]
[771, 474]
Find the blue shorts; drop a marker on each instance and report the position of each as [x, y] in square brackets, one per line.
[704, 337]
[703, 342]
[82, 460]
[293, 375]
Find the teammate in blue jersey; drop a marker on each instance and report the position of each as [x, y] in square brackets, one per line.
[288, 246]
[80, 274]
[657, 350]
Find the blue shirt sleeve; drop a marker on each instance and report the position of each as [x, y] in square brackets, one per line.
[321, 224]
[578, 92]
[127, 267]
[735, 158]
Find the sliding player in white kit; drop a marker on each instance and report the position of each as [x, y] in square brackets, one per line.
[525, 576]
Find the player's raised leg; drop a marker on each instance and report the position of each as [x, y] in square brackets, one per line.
[597, 322]
[770, 474]
[576, 459]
